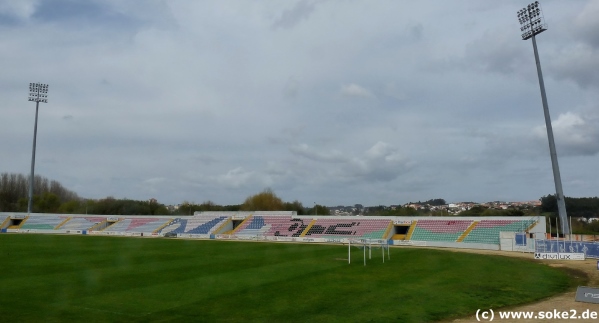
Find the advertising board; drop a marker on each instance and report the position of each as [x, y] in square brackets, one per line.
[559, 256]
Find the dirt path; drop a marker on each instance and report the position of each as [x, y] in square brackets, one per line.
[561, 303]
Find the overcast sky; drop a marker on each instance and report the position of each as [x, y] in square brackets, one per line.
[334, 102]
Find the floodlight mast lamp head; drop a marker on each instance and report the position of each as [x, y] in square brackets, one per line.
[531, 20]
[38, 92]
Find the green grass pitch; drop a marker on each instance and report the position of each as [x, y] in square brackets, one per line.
[108, 279]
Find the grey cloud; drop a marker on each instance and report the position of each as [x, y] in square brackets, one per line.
[291, 17]
[22, 9]
[417, 31]
[306, 151]
[291, 88]
[587, 24]
[575, 134]
[109, 13]
[392, 90]
[236, 178]
[574, 47]
[497, 149]
[328, 103]
[380, 163]
[82, 12]
[497, 52]
[154, 181]
[578, 63]
[355, 90]
[206, 159]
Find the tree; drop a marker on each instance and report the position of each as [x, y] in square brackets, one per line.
[587, 207]
[70, 207]
[436, 202]
[14, 189]
[295, 206]
[47, 203]
[548, 203]
[319, 210]
[264, 201]
[477, 210]
[186, 208]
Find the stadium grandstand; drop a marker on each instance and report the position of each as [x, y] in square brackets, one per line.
[454, 232]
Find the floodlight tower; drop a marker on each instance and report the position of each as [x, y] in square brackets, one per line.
[38, 92]
[532, 23]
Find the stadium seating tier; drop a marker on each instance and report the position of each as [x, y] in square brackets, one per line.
[485, 231]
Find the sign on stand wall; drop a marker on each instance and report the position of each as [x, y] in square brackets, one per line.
[589, 248]
[558, 256]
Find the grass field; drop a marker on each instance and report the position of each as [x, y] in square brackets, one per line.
[89, 278]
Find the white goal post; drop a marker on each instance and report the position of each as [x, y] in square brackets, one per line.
[367, 243]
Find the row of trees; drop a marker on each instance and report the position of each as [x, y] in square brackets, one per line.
[48, 194]
[432, 202]
[582, 210]
[586, 207]
[581, 226]
[267, 200]
[475, 211]
[51, 197]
